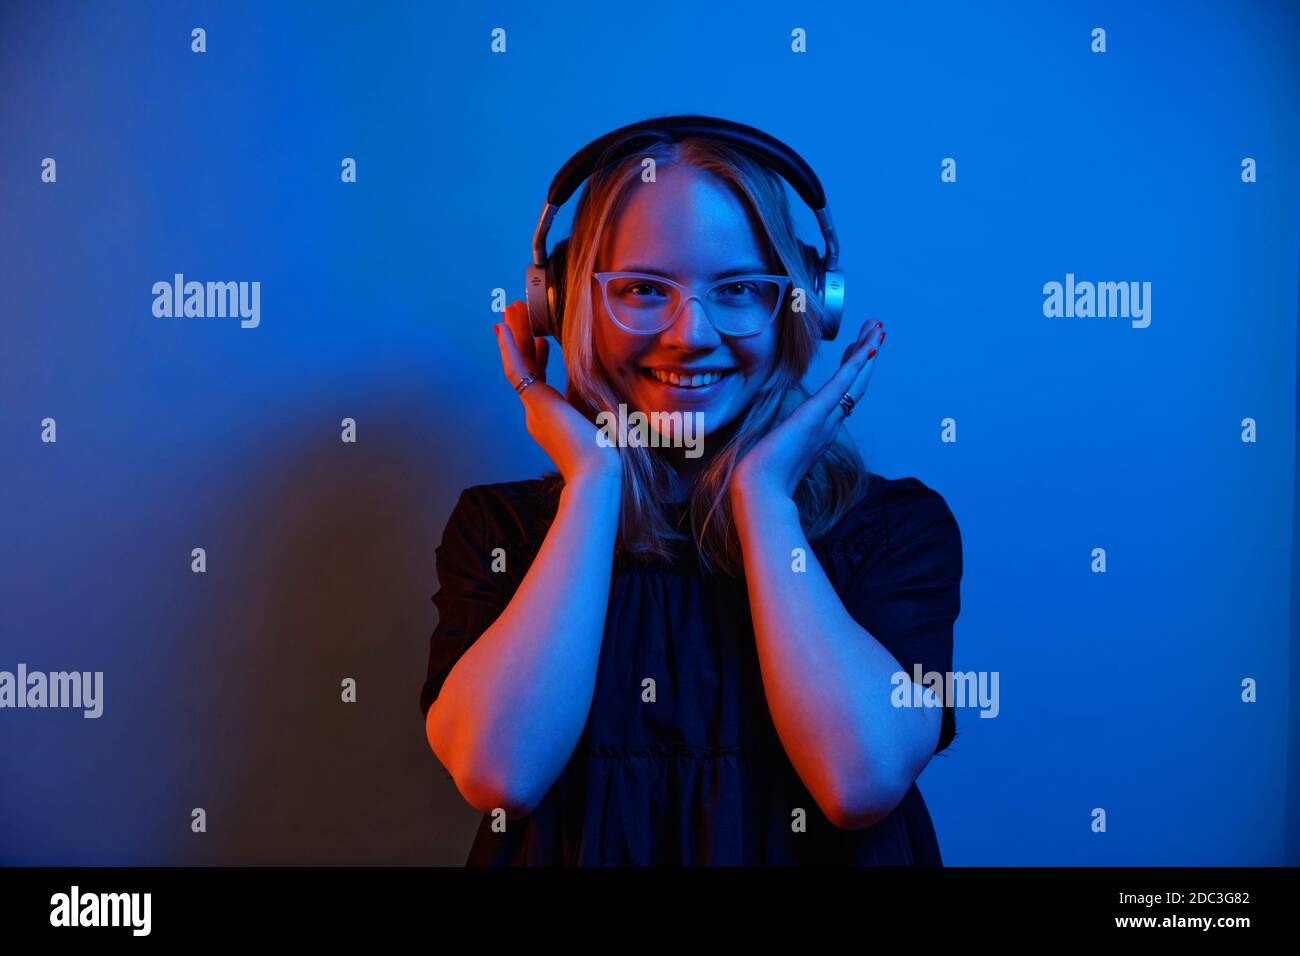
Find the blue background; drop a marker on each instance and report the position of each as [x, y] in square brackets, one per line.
[1118, 690]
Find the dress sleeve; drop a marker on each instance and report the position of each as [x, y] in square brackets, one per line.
[908, 594]
[470, 595]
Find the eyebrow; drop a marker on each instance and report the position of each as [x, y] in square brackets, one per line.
[741, 271]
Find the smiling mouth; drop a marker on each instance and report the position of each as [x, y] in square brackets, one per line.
[684, 381]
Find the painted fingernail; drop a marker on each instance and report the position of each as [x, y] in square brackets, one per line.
[871, 353]
[882, 338]
[879, 324]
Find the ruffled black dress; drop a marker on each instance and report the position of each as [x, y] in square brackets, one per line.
[699, 777]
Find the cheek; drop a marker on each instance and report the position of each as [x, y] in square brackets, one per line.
[760, 360]
[615, 354]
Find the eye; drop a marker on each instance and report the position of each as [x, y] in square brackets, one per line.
[737, 289]
[639, 289]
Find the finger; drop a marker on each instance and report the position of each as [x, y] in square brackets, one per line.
[858, 388]
[511, 361]
[868, 327]
[517, 321]
[867, 339]
[542, 348]
[825, 399]
[859, 383]
[863, 379]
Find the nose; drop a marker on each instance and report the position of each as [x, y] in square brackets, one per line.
[691, 330]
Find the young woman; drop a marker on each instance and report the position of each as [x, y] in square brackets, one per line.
[656, 656]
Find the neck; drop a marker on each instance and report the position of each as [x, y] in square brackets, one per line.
[686, 471]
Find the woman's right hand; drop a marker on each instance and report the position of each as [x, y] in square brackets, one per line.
[562, 431]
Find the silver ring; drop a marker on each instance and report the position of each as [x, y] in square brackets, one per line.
[847, 403]
[524, 383]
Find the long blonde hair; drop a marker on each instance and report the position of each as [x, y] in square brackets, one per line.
[833, 484]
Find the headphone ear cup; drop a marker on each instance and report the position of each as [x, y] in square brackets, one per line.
[556, 264]
[828, 288]
[812, 261]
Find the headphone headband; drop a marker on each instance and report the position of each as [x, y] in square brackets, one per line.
[624, 141]
[768, 148]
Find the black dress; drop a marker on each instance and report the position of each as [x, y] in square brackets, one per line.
[699, 777]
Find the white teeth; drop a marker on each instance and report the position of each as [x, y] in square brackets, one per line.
[686, 381]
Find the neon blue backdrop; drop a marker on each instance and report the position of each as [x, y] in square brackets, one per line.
[1119, 690]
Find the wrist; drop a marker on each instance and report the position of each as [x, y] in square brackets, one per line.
[596, 484]
[754, 502]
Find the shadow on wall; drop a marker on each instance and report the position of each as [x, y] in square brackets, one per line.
[324, 570]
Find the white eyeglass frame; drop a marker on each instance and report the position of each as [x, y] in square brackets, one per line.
[602, 278]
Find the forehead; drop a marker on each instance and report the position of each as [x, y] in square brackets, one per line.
[689, 223]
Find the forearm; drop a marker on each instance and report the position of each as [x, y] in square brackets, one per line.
[828, 681]
[513, 708]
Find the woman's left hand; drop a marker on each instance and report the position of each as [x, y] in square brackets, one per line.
[779, 461]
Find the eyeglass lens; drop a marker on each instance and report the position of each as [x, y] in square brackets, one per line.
[737, 307]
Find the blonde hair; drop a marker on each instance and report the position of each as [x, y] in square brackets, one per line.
[833, 484]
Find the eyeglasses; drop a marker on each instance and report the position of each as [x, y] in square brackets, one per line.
[646, 304]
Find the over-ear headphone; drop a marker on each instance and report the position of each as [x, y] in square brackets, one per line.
[544, 284]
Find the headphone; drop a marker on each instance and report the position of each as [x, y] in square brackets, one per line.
[544, 283]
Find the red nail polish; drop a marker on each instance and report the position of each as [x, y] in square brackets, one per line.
[879, 324]
[871, 353]
[882, 338]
